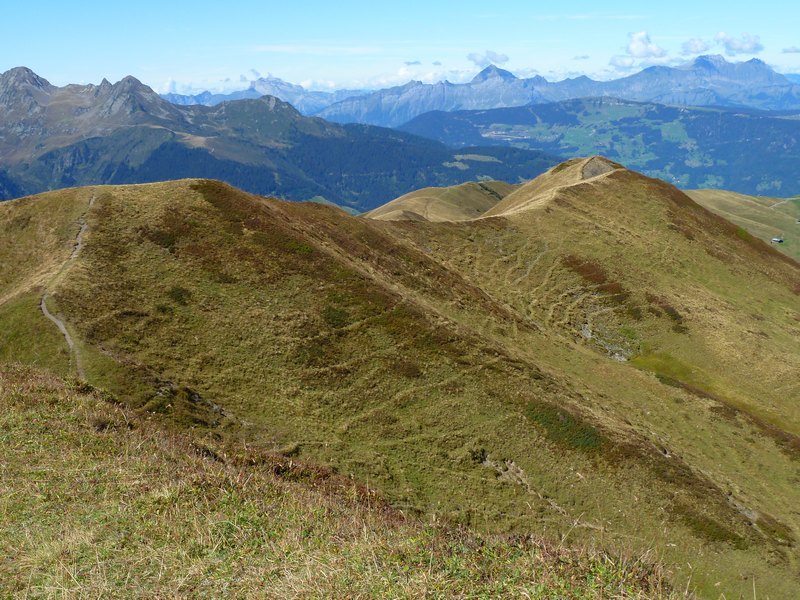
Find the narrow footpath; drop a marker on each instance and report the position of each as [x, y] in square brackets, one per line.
[73, 348]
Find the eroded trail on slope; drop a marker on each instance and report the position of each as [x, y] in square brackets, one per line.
[73, 348]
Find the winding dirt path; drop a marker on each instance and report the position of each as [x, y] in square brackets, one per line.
[780, 202]
[73, 348]
[79, 238]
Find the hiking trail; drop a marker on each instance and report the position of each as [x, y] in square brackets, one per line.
[73, 348]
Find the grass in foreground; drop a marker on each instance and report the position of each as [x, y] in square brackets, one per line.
[97, 501]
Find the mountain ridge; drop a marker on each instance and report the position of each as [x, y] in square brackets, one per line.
[308, 102]
[766, 218]
[497, 372]
[458, 203]
[706, 81]
[124, 132]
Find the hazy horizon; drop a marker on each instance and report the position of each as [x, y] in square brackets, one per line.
[345, 46]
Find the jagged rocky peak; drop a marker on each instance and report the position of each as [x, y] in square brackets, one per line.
[22, 89]
[709, 61]
[22, 76]
[103, 89]
[128, 96]
[409, 86]
[492, 72]
[130, 84]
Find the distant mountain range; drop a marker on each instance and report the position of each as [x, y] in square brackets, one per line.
[747, 151]
[307, 102]
[707, 81]
[54, 137]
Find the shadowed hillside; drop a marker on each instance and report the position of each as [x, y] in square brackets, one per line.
[602, 359]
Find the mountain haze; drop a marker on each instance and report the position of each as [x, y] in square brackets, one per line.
[306, 101]
[706, 81]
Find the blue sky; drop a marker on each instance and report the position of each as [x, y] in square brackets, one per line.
[184, 46]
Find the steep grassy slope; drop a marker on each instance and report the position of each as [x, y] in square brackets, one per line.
[761, 216]
[97, 501]
[613, 363]
[456, 203]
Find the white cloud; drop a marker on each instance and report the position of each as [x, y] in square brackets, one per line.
[488, 58]
[170, 86]
[323, 85]
[255, 73]
[791, 50]
[581, 57]
[640, 46]
[747, 44]
[694, 46]
[623, 63]
[526, 73]
[640, 52]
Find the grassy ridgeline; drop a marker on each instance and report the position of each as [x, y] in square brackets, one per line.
[475, 371]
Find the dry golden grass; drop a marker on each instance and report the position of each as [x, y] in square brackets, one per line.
[98, 501]
[614, 365]
[456, 203]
